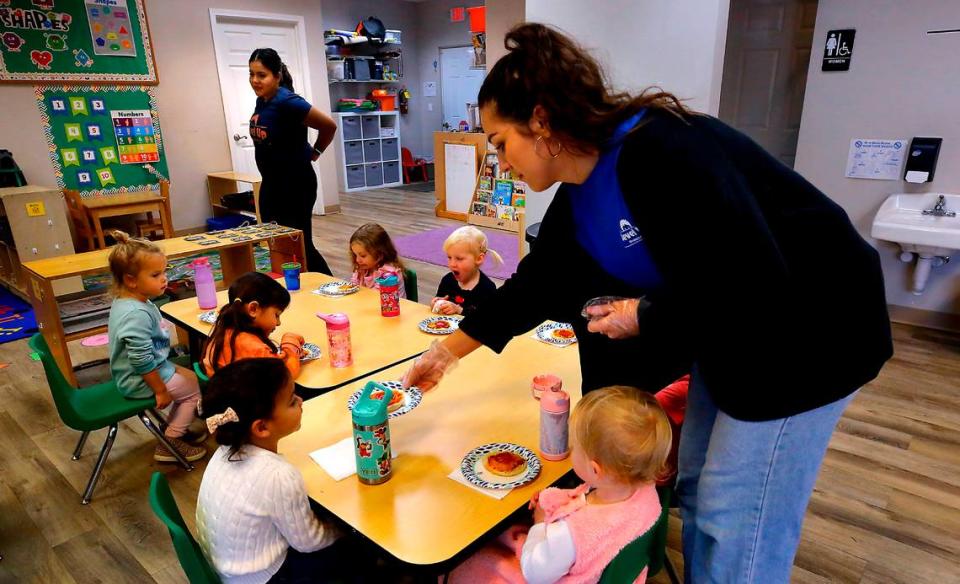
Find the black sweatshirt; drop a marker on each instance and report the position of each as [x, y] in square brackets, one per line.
[768, 287]
[468, 299]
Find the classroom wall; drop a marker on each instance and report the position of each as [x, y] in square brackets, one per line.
[396, 15]
[436, 32]
[677, 45]
[502, 15]
[901, 83]
[191, 110]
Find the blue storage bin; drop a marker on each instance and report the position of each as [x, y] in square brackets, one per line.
[227, 221]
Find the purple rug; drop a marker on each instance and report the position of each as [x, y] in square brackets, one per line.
[428, 247]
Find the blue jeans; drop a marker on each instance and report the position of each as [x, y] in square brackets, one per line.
[744, 488]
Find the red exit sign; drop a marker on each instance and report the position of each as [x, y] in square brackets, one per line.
[457, 14]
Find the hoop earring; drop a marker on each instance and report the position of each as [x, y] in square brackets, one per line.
[552, 155]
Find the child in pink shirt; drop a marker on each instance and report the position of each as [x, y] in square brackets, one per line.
[374, 256]
[620, 440]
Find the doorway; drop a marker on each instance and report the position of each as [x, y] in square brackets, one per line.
[765, 71]
[235, 35]
[459, 83]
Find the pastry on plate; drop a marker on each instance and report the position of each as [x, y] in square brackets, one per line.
[396, 400]
[505, 463]
[438, 325]
[562, 333]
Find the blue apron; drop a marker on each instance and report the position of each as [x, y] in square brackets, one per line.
[604, 225]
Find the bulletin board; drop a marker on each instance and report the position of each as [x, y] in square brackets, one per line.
[75, 41]
[103, 140]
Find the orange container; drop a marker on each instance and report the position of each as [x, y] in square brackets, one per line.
[387, 102]
[478, 18]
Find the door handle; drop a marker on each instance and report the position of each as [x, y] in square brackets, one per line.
[238, 137]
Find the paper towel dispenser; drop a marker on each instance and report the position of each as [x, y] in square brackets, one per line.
[922, 159]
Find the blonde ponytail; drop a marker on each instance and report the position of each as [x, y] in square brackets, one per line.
[126, 256]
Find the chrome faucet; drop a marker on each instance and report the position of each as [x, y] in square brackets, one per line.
[938, 210]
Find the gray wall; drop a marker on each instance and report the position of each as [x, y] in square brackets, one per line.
[902, 83]
[190, 106]
[396, 15]
[436, 31]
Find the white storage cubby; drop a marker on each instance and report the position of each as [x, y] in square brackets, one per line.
[368, 150]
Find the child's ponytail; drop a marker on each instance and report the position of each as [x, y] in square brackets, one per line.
[234, 319]
[126, 256]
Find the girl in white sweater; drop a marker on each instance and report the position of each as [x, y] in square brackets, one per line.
[254, 518]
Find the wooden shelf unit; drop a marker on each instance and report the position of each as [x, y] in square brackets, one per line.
[223, 183]
[366, 158]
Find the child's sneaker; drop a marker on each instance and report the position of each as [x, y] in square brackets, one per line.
[191, 453]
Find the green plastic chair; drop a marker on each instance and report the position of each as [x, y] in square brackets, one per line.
[410, 284]
[200, 374]
[192, 560]
[647, 551]
[95, 407]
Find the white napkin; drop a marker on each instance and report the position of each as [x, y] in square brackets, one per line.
[338, 459]
[495, 493]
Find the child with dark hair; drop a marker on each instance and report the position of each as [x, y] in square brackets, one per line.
[255, 303]
[254, 518]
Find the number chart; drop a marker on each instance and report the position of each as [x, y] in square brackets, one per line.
[135, 138]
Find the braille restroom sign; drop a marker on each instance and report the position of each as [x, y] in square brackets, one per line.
[838, 50]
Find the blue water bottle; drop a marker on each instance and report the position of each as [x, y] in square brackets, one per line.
[371, 434]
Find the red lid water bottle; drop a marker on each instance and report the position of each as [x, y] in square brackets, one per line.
[554, 419]
[389, 295]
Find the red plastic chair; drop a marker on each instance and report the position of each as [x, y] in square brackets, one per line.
[409, 162]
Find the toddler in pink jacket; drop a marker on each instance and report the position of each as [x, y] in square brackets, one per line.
[620, 441]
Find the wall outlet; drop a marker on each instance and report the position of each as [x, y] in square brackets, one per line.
[429, 106]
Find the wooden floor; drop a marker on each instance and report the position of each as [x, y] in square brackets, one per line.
[886, 506]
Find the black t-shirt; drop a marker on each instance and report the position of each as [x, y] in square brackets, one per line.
[468, 299]
[279, 134]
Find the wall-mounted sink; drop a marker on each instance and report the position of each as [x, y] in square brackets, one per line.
[932, 236]
[901, 220]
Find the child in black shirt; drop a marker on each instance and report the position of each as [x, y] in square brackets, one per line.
[465, 287]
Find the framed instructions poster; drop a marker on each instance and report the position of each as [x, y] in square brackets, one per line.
[102, 139]
[76, 41]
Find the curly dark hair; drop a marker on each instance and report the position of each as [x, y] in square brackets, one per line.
[548, 68]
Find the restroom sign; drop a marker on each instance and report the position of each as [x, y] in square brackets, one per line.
[838, 50]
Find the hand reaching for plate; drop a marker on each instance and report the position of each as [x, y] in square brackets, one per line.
[428, 368]
[616, 320]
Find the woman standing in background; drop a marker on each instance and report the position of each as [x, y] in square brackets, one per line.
[278, 128]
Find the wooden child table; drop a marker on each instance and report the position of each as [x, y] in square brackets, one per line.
[236, 258]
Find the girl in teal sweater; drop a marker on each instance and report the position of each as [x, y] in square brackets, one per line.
[139, 347]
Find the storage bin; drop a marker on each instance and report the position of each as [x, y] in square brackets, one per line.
[227, 221]
[374, 174]
[371, 151]
[391, 172]
[355, 179]
[371, 126]
[390, 149]
[387, 102]
[353, 152]
[350, 127]
[335, 69]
